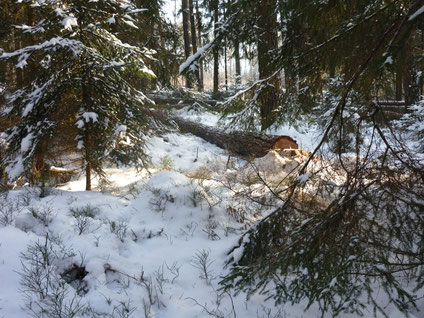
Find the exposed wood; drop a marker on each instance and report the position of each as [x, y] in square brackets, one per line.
[285, 142]
[62, 175]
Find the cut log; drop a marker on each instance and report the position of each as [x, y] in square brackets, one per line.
[391, 102]
[176, 102]
[285, 142]
[243, 144]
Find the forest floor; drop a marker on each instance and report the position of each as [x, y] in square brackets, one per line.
[153, 243]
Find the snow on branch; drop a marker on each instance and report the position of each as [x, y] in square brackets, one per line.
[74, 45]
[191, 63]
[416, 14]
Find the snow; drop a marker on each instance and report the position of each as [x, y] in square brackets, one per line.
[16, 168]
[120, 129]
[152, 224]
[73, 45]
[130, 23]
[389, 60]
[111, 20]
[27, 142]
[200, 52]
[304, 178]
[69, 22]
[416, 14]
[12, 242]
[89, 116]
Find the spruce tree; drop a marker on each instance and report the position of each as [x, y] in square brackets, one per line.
[367, 234]
[81, 98]
[340, 60]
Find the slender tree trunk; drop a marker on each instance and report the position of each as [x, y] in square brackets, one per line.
[398, 84]
[226, 67]
[267, 40]
[88, 176]
[215, 50]
[225, 55]
[406, 79]
[186, 32]
[199, 29]
[332, 71]
[87, 139]
[193, 34]
[237, 61]
[87, 158]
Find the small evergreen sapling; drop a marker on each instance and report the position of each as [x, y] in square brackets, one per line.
[82, 99]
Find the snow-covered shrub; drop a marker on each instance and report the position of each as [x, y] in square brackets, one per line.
[26, 196]
[160, 199]
[45, 191]
[202, 262]
[47, 294]
[8, 210]
[85, 211]
[166, 163]
[196, 197]
[44, 214]
[82, 224]
[119, 229]
[123, 310]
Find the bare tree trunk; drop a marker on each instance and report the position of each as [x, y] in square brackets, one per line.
[88, 177]
[225, 55]
[398, 84]
[215, 50]
[237, 60]
[226, 67]
[199, 29]
[186, 33]
[87, 155]
[267, 40]
[193, 34]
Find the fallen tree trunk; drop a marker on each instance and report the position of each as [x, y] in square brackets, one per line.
[246, 145]
[243, 144]
[179, 102]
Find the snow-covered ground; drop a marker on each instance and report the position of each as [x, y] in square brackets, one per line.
[143, 239]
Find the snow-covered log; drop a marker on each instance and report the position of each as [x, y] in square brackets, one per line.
[244, 144]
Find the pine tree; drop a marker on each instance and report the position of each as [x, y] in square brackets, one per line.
[81, 98]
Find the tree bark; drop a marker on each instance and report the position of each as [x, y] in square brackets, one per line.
[225, 54]
[88, 176]
[398, 84]
[215, 49]
[193, 34]
[237, 60]
[186, 32]
[245, 145]
[87, 145]
[199, 29]
[267, 40]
